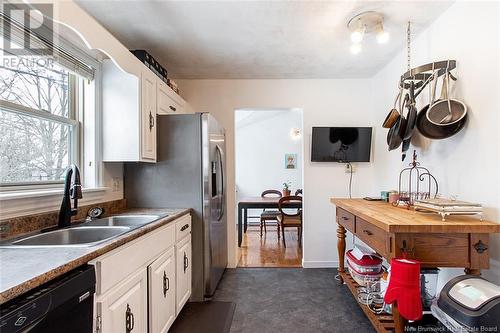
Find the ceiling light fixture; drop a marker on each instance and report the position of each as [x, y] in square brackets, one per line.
[358, 34]
[365, 23]
[356, 48]
[382, 35]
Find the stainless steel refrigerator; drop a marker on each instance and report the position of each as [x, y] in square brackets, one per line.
[190, 172]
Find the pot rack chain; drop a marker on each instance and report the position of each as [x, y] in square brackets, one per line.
[408, 46]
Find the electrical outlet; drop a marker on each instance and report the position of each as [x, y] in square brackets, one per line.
[348, 168]
[116, 184]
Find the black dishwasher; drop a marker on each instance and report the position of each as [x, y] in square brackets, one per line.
[62, 305]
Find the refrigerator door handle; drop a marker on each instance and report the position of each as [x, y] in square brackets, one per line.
[221, 203]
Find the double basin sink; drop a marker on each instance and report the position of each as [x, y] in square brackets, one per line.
[86, 234]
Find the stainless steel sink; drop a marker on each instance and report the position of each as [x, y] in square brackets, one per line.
[77, 236]
[124, 220]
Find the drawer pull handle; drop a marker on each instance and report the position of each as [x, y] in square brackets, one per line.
[345, 218]
[166, 284]
[172, 108]
[184, 227]
[368, 232]
[129, 320]
[186, 262]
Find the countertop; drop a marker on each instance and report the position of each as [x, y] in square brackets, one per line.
[23, 269]
[399, 219]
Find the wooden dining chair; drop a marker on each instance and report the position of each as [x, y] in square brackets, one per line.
[290, 219]
[269, 215]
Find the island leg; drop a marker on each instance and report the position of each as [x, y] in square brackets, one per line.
[399, 322]
[341, 249]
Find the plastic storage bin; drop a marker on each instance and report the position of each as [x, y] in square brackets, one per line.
[364, 279]
[369, 264]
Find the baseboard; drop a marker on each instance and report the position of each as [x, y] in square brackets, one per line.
[320, 264]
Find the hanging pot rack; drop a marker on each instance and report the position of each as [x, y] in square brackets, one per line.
[423, 74]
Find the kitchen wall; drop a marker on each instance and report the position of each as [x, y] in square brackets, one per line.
[262, 140]
[324, 103]
[466, 165]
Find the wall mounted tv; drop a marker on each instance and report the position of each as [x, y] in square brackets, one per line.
[341, 144]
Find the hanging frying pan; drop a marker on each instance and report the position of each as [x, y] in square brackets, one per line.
[446, 110]
[404, 148]
[397, 131]
[393, 115]
[437, 132]
[411, 116]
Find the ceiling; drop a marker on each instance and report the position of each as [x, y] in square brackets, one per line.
[259, 39]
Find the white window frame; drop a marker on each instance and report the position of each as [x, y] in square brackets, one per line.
[85, 149]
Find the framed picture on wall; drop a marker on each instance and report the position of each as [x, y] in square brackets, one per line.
[290, 161]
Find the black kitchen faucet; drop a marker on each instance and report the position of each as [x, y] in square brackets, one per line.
[72, 190]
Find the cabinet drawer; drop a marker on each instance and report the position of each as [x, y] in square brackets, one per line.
[371, 235]
[435, 250]
[118, 264]
[345, 219]
[167, 101]
[183, 228]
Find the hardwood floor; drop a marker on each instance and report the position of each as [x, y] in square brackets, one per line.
[268, 251]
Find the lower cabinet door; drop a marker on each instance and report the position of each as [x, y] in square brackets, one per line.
[124, 307]
[183, 260]
[161, 280]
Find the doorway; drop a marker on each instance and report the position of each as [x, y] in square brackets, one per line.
[268, 155]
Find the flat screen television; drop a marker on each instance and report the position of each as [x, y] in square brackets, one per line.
[341, 144]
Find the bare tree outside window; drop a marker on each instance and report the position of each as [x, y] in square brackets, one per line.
[34, 149]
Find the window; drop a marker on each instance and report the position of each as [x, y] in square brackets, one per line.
[38, 121]
[43, 103]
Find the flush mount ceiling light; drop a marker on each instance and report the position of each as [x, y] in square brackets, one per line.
[365, 23]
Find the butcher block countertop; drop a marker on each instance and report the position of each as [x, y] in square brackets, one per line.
[401, 220]
[24, 269]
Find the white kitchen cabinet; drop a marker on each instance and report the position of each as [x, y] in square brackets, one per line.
[169, 102]
[183, 272]
[148, 114]
[128, 115]
[124, 308]
[161, 280]
[142, 275]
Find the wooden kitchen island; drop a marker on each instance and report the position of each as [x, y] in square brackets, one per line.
[460, 241]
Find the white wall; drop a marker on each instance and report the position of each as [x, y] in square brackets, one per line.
[324, 103]
[467, 164]
[262, 140]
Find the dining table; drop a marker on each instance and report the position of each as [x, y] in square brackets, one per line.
[247, 203]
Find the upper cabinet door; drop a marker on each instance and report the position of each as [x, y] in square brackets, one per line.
[148, 116]
[161, 280]
[124, 308]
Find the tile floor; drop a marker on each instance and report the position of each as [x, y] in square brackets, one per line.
[291, 300]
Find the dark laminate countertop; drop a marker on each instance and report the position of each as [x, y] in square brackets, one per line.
[22, 269]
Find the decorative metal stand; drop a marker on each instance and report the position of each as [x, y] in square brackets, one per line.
[419, 184]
